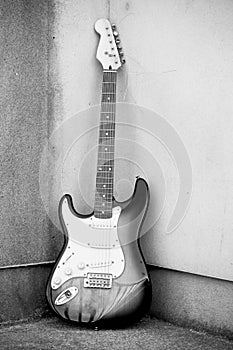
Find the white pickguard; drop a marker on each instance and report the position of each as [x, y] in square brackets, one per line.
[93, 247]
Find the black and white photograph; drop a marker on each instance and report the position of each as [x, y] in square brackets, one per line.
[116, 171]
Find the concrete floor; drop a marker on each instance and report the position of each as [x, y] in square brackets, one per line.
[53, 333]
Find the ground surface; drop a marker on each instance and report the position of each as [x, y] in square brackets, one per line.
[53, 333]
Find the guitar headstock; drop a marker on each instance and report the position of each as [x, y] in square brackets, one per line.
[109, 52]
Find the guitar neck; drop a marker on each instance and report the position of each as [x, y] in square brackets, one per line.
[106, 145]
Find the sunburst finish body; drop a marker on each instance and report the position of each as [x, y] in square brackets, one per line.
[129, 296]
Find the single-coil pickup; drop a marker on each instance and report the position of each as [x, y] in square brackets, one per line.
[106, 223]
[100, 264]
[98, 280]
[102, 225]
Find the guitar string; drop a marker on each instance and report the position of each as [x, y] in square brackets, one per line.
[109, 84]
[112, 167]
[112, 108]
[110, 164]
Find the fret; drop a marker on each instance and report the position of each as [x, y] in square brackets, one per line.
[110, 189]
[107, 204]
[105, 109]
[106, 137]
[107, 112]
[104, 195]
[109, 132]
[106, 188]
[107, 140]
[107, 127]
[105, 210]
[105, 171]
[104, 182]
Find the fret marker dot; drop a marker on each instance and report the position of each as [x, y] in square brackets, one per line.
[107, 116]
[109, 168]
[104, 195]
[104, 185]
[105, 149]
[108, 98]
[106, 133]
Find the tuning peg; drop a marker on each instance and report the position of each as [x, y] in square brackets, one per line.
[123, 61]
[121, 54]
[113, 26]
[115, 33]
[118, 41]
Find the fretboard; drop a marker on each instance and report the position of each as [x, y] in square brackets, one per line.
[105, 163]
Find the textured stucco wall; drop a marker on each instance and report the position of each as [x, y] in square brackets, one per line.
[25, 122]
[26, 117]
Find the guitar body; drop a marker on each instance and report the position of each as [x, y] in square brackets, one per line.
[100, 276]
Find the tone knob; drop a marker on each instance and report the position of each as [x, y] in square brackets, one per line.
[57, 280]
[68, 271]
[81, 266]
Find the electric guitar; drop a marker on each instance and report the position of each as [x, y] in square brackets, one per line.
[100, 277]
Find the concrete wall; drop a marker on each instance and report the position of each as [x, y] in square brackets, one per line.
[183, 72]
[27, 235]
[192, 301]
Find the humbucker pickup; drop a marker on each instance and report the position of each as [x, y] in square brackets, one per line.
[98, 280]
